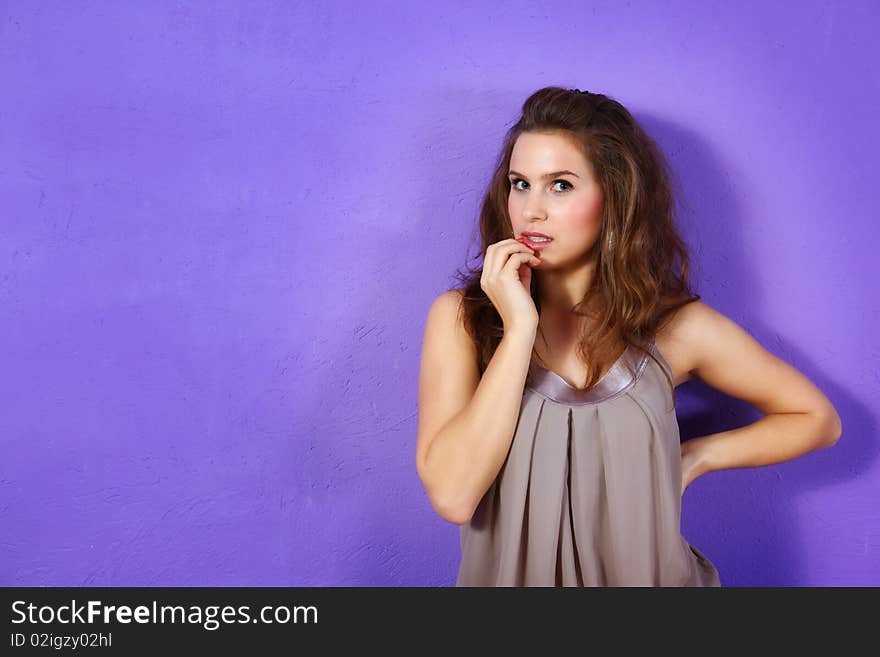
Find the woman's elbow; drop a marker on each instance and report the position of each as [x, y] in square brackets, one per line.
[454, 513]
[442, 504]
[832, 427]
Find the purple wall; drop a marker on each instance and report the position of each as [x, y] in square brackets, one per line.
[222, 225]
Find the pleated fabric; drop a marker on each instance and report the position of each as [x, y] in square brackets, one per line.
[590, 492]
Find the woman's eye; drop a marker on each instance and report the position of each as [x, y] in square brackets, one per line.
[516, 181]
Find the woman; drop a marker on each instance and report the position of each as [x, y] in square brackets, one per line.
[547, 426]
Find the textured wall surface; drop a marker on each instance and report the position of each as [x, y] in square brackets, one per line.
[222, 225]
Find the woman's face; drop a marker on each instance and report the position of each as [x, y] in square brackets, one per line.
[565, 206]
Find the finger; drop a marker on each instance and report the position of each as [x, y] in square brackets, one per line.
[497, 254]
[518, 259]
[519, 247]
[521, 241]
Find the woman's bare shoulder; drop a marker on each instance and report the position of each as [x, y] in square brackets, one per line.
[673, 340]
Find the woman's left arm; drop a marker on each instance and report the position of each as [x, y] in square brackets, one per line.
[799, 418]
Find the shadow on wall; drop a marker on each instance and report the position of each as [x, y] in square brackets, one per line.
[746, 519]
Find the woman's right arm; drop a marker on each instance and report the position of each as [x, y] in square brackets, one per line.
[467, 422]
[461, 461]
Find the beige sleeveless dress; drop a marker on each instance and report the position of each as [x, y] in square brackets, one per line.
[590, 492]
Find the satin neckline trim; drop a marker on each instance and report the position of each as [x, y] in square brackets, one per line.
[615, 381]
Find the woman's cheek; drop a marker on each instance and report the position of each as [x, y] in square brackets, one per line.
[588, 216]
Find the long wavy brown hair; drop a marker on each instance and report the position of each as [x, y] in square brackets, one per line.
[641, 274]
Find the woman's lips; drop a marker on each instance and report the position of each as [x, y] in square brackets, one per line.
[537, 246]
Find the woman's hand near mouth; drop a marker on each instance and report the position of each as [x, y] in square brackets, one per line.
[506, 280]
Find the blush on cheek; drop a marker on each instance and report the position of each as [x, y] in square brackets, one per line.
[589, 213]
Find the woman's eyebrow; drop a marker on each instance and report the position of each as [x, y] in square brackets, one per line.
[546, 175]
